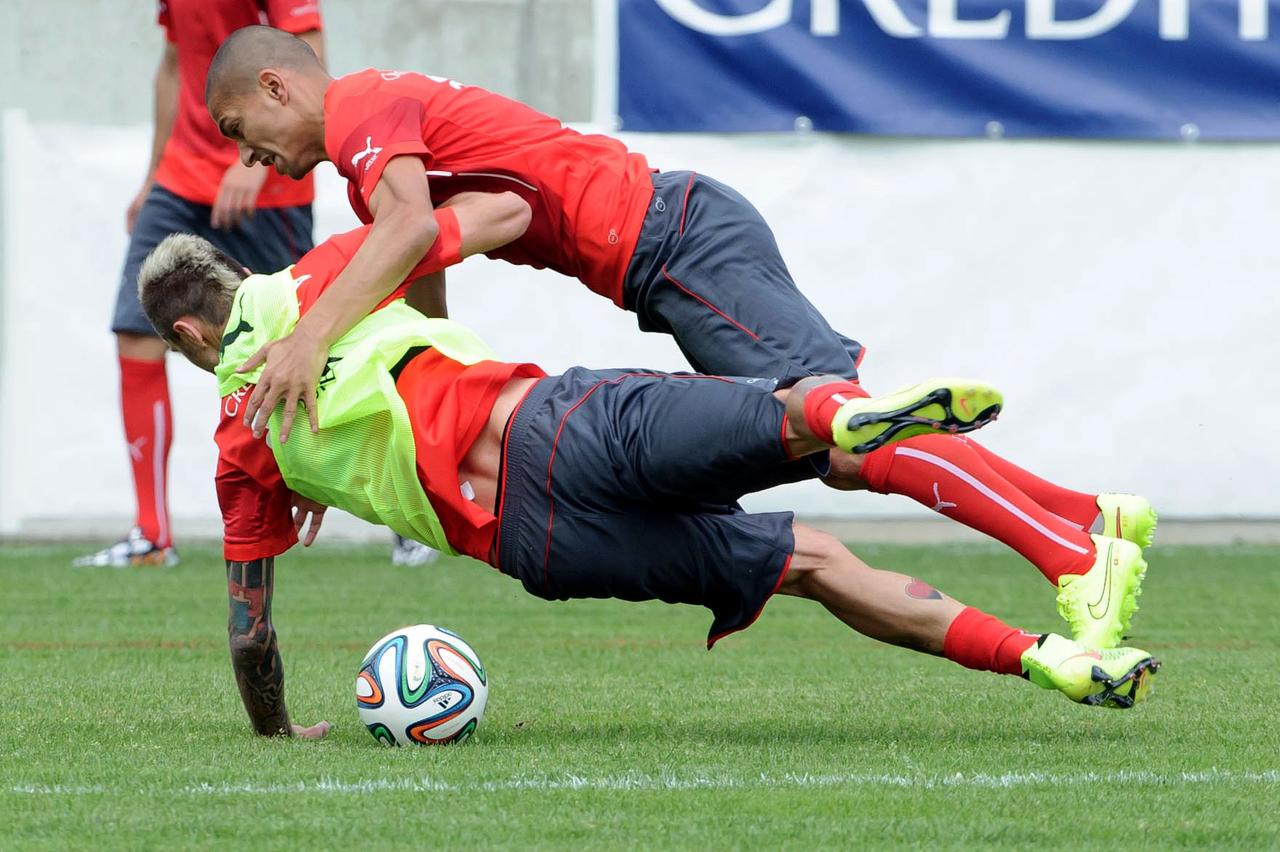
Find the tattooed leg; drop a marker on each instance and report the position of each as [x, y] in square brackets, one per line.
[254, 652]
[891, 607]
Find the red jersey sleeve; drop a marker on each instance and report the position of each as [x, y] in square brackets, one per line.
[255, 502]
[367, 133]
[162, 18]
[293, 16]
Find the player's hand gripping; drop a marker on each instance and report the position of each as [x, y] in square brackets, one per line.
[302, 507]
[293, 366]
[237, 195]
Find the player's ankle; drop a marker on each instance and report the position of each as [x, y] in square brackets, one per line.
[818, 398]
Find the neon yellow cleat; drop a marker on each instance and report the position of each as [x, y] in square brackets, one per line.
[1100, 603]
[1118, 678]
[1128, 516]
[935, 406]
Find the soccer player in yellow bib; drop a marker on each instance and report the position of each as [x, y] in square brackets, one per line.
[615, 483]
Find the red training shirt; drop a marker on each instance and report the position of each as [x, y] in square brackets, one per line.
[448, 405]
[588, 192]
[197, 156]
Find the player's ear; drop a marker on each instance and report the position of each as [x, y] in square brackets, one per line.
[270, 81]
[188, 333]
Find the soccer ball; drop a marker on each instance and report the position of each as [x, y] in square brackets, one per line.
[421, 685]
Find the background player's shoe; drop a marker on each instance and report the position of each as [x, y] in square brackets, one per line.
[406, 551]
[937, 405]
[1099, 603]
[1117, 677]
[1128, 516]
[133, 549]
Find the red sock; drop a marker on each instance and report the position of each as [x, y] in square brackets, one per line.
[976, 640]
[944, 473]
[822, 403]
[1074, 506]
[148, 431]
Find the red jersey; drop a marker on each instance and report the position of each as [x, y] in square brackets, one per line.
[448, 404]
[197, 156]
[588, 192]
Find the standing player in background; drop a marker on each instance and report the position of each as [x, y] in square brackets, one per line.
[690, 256]
[196, 184]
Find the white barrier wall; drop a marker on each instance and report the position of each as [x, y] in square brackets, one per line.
[1122, 295]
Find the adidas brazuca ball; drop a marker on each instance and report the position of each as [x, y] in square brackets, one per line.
[421, 685]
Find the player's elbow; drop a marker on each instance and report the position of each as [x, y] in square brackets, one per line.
[410, 224]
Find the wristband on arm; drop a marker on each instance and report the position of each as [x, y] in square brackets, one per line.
[447, 249]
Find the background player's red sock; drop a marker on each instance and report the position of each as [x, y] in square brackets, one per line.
[946, 474]
[1078, 508]
[148, 430]
[976, 640]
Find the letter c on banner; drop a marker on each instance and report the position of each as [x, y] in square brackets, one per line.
[776, 14]
[824, 17]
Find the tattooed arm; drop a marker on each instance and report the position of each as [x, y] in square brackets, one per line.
[255, 655]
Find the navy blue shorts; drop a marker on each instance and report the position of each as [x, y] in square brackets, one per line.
[707, 270]
[619, 484]
[268, 241]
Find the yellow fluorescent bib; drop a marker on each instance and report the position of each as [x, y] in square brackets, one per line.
[363, 458]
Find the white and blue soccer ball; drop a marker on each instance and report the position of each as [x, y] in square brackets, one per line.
[421, 685]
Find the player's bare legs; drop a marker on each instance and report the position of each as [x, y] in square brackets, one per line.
[904, 611]
[883, 605]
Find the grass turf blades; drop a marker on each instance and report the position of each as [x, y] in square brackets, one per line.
[608, 722]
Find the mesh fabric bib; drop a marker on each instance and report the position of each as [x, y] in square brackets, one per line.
[362, 460]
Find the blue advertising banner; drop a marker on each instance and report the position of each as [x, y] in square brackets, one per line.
[1160, 69]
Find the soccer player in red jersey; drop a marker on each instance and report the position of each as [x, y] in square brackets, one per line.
[196, 184]
[690, 256]
[594, 483]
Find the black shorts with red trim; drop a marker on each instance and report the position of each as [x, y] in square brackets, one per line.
[624, 484]
[268, 241]
[706, 270]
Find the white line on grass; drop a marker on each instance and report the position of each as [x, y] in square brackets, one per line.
[644, 782]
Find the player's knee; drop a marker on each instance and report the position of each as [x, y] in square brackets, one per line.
[140, 347]
[818, 556]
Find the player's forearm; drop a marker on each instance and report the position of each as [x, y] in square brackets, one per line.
[166, 105]
[255, 654]
[393, 248]
[399, 239]
[426, 295]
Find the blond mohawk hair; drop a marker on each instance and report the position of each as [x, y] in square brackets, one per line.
[186, 275]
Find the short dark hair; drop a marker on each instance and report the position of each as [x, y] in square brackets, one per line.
[247, 51]
[186, 276]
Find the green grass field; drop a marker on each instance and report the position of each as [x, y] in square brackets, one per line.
[609, 726]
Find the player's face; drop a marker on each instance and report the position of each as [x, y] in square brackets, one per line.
[270, 132]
